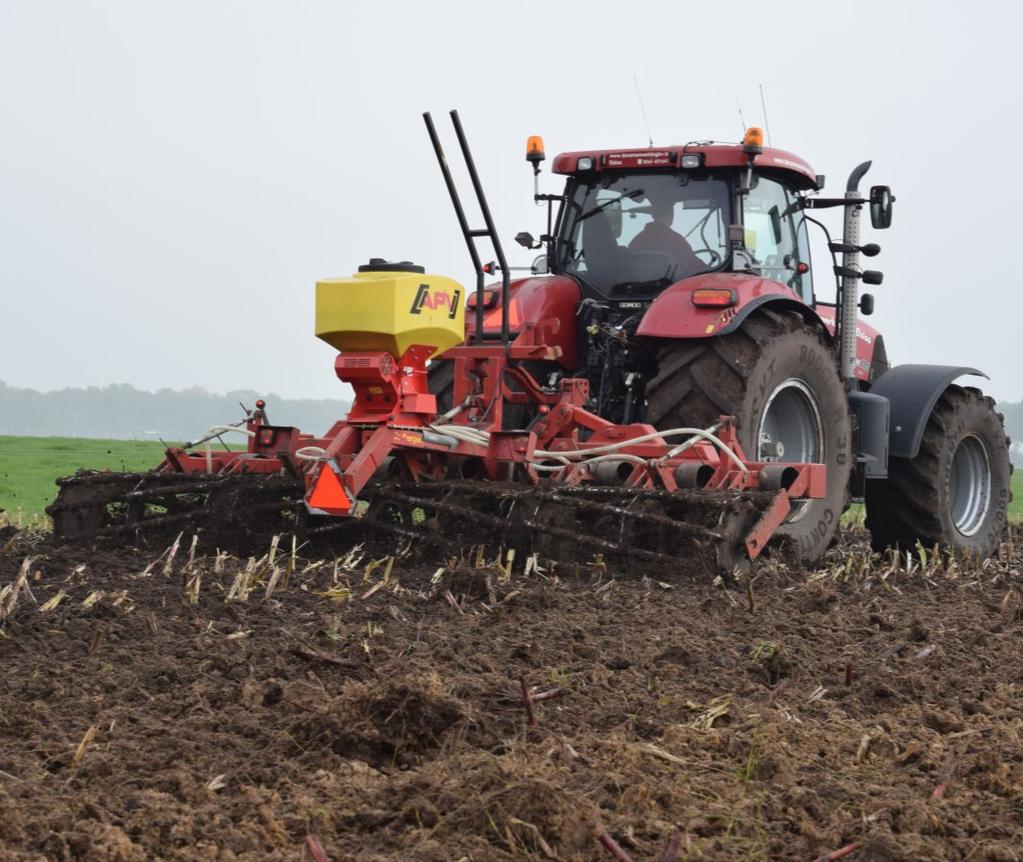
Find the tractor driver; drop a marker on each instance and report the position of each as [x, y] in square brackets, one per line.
[658, 235]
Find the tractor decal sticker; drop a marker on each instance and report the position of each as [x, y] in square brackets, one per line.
[404, 437]
[417, 303]
[435, 299]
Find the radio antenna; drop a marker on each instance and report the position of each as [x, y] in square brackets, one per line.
[646, 122]
[742, 119]
[767, 123]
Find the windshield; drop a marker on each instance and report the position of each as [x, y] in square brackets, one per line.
[634, 234]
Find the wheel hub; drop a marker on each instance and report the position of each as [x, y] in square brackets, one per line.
[969, 492]
[791, 430]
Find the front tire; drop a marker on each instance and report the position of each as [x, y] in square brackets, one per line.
[779, 378]
[955, 493]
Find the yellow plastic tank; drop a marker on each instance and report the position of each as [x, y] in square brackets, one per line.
[390, 307]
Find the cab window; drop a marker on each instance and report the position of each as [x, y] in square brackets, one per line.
[632, 234]
[775, 234]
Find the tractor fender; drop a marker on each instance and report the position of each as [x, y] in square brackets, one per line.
[673, 315]
[912, 391]
[776, 303]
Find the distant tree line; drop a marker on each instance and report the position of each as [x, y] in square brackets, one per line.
[122, 412]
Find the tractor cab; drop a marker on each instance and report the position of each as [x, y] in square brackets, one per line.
[634, 222]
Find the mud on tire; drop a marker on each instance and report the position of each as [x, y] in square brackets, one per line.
[738, 374]
[956, 491]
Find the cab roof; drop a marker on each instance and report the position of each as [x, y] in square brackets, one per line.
[711, 153]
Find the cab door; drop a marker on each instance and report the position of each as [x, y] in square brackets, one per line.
[776, 236]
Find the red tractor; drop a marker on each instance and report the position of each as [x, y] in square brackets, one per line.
[682, 280]
[664, 386]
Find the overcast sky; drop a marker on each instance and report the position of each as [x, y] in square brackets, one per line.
[174, 176]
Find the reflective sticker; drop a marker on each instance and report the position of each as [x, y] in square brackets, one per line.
[493, 319]
[328, 493]
[710, 328]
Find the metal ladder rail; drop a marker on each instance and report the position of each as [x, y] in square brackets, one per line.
[470, 234]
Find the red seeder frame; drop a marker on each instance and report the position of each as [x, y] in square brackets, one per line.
[394, 416]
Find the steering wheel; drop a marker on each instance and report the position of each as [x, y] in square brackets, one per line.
[715, 258]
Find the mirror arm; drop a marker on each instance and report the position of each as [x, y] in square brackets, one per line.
[550, 199]
[828, 203]
[834, 259]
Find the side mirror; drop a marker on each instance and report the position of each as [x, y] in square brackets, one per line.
[881, 200]
[539, 266]
[525, 239]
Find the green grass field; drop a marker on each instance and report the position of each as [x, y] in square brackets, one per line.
[29, 466]
[855, 514]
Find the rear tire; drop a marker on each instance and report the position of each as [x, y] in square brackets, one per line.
[779, 378]
[441, 381]
[956, 491]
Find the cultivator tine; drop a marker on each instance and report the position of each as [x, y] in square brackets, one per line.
[684, 527]
[397, 530]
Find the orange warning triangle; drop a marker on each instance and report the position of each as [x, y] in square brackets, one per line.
[328, 494]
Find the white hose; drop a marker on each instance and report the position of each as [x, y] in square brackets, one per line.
[454, 411]
[482, 438]
[216, 431]
[551, 468]
[227, 429]
[466, 435]
[634, 459]
[584, 454]
[311, 453]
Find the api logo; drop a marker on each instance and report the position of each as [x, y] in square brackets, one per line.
[434, 300]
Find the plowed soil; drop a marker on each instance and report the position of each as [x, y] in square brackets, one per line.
[205, 709]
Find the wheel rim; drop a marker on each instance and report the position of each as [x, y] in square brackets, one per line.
[969, 493]
[791, 430]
